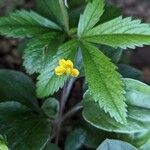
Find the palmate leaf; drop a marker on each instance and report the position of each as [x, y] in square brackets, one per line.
[48, 81]
[55, 10]
[39, 50]
[91, 15]
[24, 129]
[137, 99]
[104, 82]
[25, 24]
[119, 32]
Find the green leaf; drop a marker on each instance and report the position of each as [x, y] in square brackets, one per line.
[141, 140]
[25, 24]
[129, 72]
[24, 129]
[51, 107]
[91, 16]
[75, 139]
[16, 86]
[111, 12]
[51, 146]
[95, 136]
[146, 146]
[138, 120]
[113, 54]
[54, 9]
[39, 51]
[3, 145]
[74, 15]
[119, 32]
[48, 81]
[104, 83]
[115, 145]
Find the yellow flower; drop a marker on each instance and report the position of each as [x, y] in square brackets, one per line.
[75, 72]
[66, 67]
[62, 62]
[59, 70]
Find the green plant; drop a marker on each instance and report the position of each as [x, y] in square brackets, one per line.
[34, 120]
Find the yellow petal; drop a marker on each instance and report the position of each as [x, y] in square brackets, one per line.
[62, 62]
[68, 70]
[60, 70]
[69, 64]
[75, 72]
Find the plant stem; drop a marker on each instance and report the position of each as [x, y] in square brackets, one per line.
[71, 112]
[65, 94]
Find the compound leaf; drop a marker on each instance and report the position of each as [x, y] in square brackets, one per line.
[25, 24]
[91, 15]
[119, 32]
[48, 81]
[104, 82]
[39, 51]
[138, 119]
[54, 9]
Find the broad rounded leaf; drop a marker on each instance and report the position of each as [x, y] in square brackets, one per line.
[115, 145]
[51, 146]
[51, 107]
[95, 136]
[75, 139]
[24, 129]
[138, 100]
[16, 86]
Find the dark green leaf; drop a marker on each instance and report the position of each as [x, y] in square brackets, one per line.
[91, 16]
[24, 129]
[48, 81]
[51, 107]
[39, 51]
[138, 120]
[54, 9]
[111, 12]
[95, 136]
[3, 145]
[113, 54]
[115, 145]
[141, 139]
[129, 72]
[51, 146]
[107, 96]
[75, 139]
[16, 86]
[25, 24]
[119, 32]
